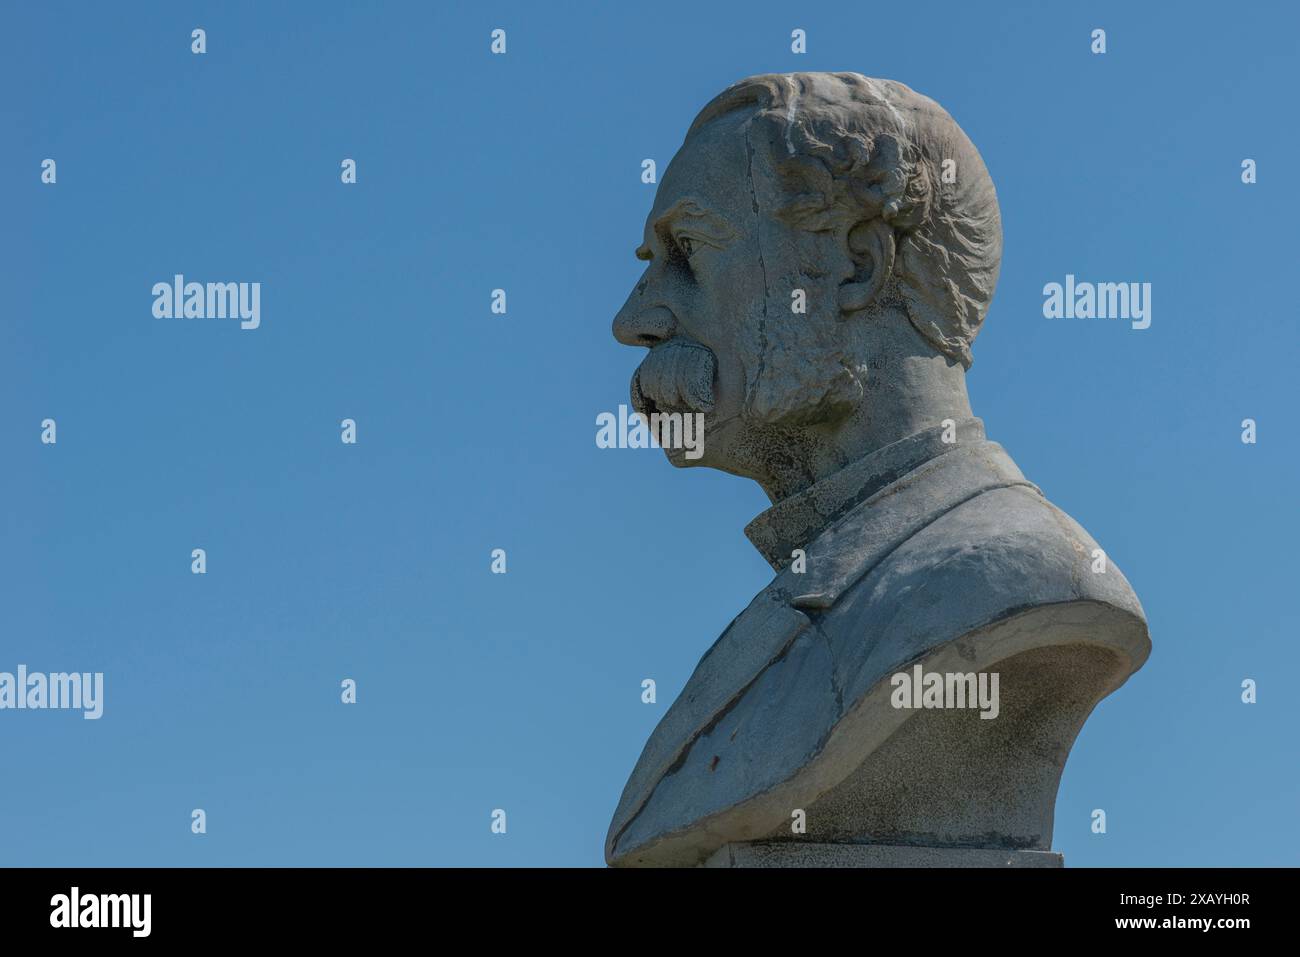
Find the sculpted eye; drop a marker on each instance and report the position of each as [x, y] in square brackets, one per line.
[688, 244]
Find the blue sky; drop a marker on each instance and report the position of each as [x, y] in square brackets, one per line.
[476, 431]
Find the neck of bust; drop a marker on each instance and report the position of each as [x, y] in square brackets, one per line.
[908, 389]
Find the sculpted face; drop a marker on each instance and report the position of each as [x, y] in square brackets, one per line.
[714, 304]
[814, 280]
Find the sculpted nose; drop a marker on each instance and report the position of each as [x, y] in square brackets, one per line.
[635, 326]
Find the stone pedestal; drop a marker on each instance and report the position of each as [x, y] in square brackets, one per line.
[808, 854]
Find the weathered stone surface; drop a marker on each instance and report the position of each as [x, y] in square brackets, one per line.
[900, 535]
[799, 854]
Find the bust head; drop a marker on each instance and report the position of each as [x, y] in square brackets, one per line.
[858, 200]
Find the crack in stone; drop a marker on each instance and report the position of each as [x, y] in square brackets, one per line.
[762, 265]
[836, 684]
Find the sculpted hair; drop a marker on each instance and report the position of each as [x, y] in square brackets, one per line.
[853, 150]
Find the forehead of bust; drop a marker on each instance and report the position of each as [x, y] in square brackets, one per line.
[715, 167]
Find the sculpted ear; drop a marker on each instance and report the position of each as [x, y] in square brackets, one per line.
[872, 249]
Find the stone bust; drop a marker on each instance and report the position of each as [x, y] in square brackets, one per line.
[820, 254]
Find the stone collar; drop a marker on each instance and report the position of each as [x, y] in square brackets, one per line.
[795, 521]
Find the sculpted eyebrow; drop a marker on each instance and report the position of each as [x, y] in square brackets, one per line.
[704, 221]
[701, 219]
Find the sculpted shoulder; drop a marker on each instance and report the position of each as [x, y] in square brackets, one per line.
[994, 556]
